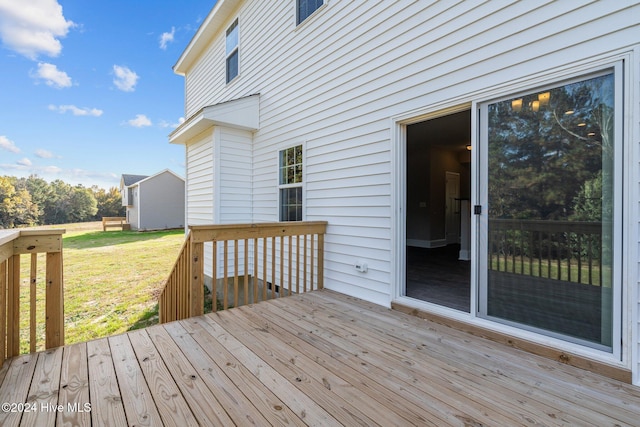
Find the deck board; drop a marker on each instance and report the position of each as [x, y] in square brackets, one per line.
[535, 376]
[18, 380]
[320, 358]
[44, 389]
[106, 401]
[462, 363]
[193, 388]
[74, 387]
[343, 401]
[376, 351]
[137, 398]
[370, 381]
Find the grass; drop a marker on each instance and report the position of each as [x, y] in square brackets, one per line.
[112, 280]
[551, 270]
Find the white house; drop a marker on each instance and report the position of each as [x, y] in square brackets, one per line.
[154, 202]
[498, 141]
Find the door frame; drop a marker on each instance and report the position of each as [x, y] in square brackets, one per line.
[399, 187]
[627, 357]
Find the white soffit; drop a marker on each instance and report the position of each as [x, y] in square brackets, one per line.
[209, 28]
[242, 113]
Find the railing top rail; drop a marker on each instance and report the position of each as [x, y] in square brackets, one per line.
[547, 226]
[8, 235]
[207, 233]
[42, 232]
[21, 241]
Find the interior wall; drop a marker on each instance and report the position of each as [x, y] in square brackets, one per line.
[435, 147]
[442, 161]
[418, 187]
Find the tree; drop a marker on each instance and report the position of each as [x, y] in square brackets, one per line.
[588, 203]
[16, 207]
[543, 149]
[82, 204]
[109, 202]
[56, 207]
[41, 192]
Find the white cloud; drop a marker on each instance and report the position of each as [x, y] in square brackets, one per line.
[72, 176]
[44, 154]
[165, 124]
[124, 79]
[33, 27]
[140, 121]
[52, 76]
[24, 162]
[7, 144]
[76, 111]
[166, 38]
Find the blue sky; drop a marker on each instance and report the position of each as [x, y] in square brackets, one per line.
[88, 91]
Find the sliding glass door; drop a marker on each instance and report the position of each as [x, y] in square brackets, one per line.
[550, 188]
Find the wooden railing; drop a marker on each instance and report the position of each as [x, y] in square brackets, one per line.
[243, 264]
[174, 301]
[13, 244]
[563, 250]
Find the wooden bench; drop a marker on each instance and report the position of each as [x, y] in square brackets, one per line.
[115, 221]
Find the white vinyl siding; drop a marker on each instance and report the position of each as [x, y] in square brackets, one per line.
[235, 205]
[387, 59]
[200, 181]
[414, 54]
[134, 210]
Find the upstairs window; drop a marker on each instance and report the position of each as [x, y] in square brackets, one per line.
[306, 8]
[232, 51]
[291, 184]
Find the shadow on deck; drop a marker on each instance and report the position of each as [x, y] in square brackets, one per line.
[319, 358]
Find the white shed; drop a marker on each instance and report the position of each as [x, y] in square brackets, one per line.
[482, 159]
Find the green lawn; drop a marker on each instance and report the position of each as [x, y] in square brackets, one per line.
[111, 281]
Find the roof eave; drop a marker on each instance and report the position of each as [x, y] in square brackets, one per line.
[242, 113]
[208, 29]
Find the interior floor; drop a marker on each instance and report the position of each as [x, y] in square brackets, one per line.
[437, 275]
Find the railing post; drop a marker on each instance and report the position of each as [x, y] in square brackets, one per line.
[13, 307]
[320, 260]
[3, 311]
[197, 279]
[54, 301]
[33, 281]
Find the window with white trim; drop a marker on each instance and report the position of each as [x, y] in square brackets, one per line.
[290, 183]
[232, 51]
[305, 8]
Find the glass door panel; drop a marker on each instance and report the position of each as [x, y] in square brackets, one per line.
[550, 196]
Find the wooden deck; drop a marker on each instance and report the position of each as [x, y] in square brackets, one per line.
[320, 358]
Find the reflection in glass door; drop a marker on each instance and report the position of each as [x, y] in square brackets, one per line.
[549, 159]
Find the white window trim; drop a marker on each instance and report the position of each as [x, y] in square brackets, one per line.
[228, 55]
[311, 17]
[297, 184]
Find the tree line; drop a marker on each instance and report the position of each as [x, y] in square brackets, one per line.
[32, 201]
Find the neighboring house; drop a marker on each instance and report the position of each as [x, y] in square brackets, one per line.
[396, 121]
[154, 202]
